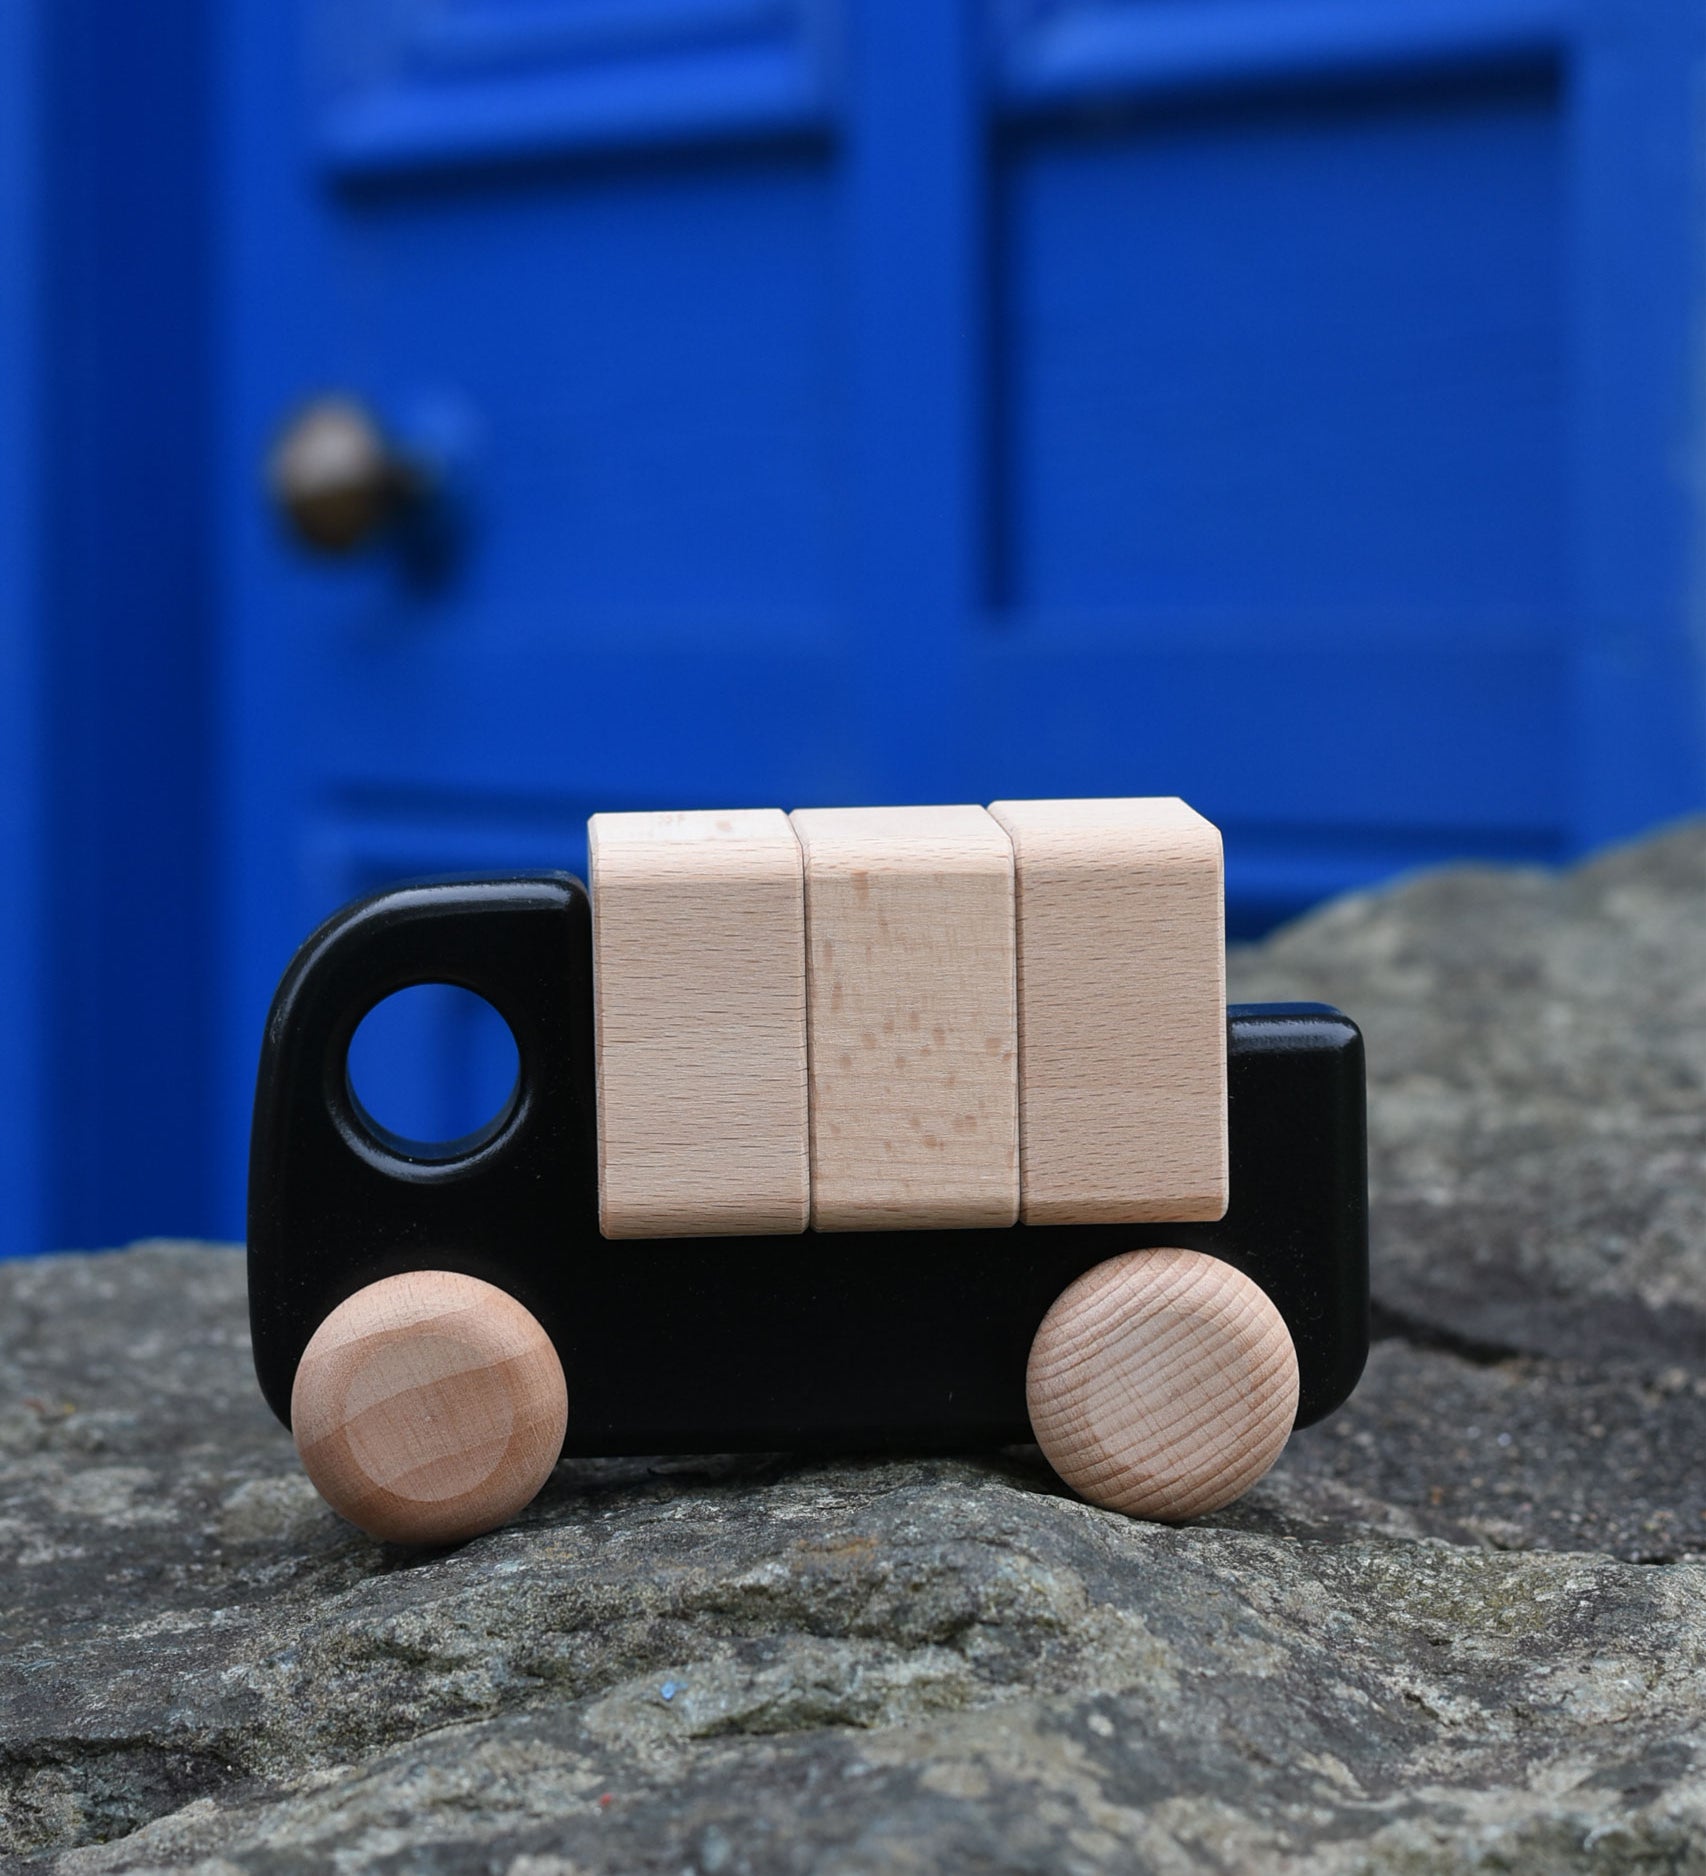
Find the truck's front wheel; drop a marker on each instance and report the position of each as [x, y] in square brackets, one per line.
[429, 1407]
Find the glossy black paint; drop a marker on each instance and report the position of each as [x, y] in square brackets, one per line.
[846, 1341]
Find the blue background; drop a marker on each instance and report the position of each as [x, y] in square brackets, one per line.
[1296, 405]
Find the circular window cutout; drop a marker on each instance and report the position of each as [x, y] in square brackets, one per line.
[434, 1069]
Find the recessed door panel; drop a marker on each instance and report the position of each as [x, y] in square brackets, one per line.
[1300, 360]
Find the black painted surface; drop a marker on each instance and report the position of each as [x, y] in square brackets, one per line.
[912, 1339]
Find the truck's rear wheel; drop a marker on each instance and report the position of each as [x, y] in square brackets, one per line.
[429, 1407]
[1162, 1384]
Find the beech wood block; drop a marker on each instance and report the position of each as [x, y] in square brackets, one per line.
[1162, 1384]
[911, 1015]
[1122, 1011]
[699, 986]
[429, 1407]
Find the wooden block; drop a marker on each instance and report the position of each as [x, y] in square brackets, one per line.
[700, 995]
[914, 1042]
[429, 1407]
[1122, 1011]
[1162, 1384]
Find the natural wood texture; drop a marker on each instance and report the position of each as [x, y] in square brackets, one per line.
[914, 1041]
[429, 1407]
[700, 991]
[1122, 1011]
[1162, 1383]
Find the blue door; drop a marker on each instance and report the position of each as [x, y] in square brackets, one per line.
[891, 401]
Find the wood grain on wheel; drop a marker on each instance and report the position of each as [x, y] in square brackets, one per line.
[429, 1407]
[1162, 1384]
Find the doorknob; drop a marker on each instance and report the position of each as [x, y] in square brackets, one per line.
[337, 480]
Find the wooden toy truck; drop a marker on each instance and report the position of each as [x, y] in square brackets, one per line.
[904, 1129]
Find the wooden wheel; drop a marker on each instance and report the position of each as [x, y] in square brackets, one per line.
[429, 1407]
[1162, 1383]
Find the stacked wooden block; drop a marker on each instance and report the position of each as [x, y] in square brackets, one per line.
[903, 1018]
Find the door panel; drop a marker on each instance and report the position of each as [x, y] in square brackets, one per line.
[1294, 362]
[644, 359]
[636, 372]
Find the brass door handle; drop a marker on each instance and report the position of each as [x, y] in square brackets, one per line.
[337, 480]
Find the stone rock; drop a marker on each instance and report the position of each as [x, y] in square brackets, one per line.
[1461, 1627]
[1537, 1064]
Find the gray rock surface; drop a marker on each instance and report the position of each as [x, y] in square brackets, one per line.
[1461, 1627]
